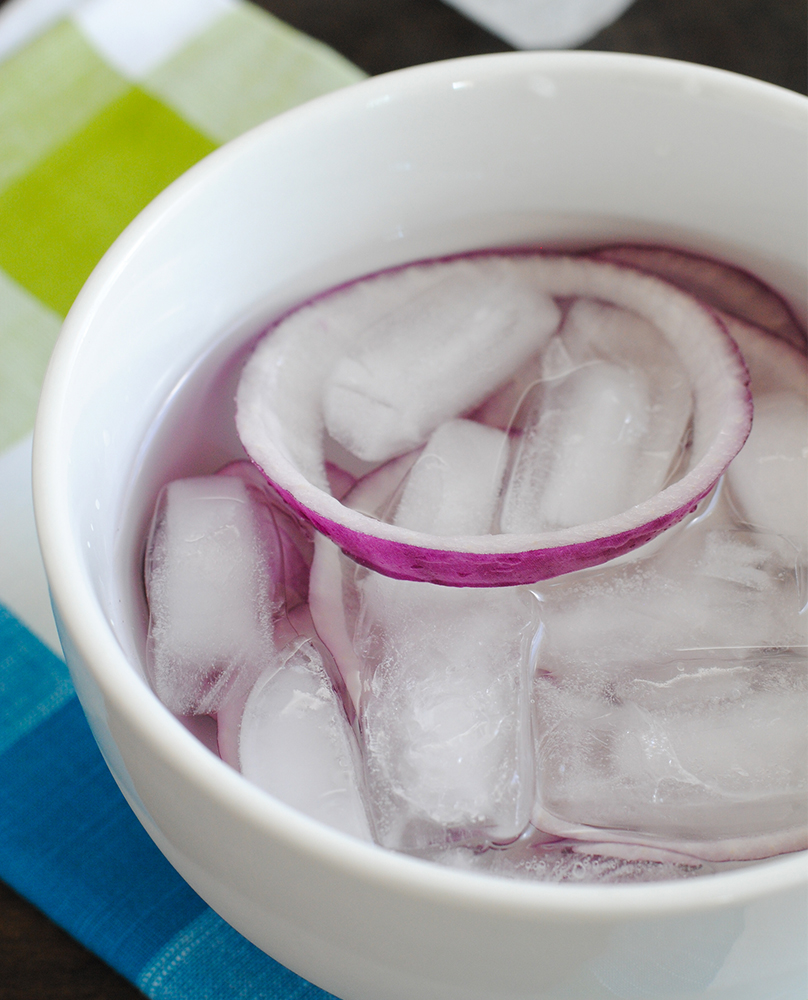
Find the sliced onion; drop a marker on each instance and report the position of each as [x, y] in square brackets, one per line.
[280, 422]
[773, 364]
[725, 287]
[768, 480]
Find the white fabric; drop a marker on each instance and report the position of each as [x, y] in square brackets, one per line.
[22, 20]
[543, 24]
[135, 36]
[23, 587]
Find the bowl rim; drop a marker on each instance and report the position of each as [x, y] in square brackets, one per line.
[83, 617]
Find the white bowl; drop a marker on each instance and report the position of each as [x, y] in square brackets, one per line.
[553, 148]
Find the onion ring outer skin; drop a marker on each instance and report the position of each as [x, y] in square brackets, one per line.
[723, 418]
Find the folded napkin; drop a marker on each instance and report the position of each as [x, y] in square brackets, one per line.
[543, 24]
[102, 104]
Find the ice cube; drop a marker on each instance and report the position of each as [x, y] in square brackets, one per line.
[296, 546]
[595, 330]
[604, 428]
[435, 355]
[502, 406]
[453, 487]
[295, 741]
[450, 487]
[672, 698]
[445, 709]
[710, 586]
[334, 605]
[702, 756]
[212, 575]
[445, 718]
[575, 460]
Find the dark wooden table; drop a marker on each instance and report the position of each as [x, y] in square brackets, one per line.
[767, 40]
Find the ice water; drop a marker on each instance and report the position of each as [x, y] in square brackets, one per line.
[653, 716]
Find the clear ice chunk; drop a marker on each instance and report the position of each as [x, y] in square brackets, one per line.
[706, 590]
[672, 696]
[574, 462]
[435, 355]
[444, 713]
[696, 755]
[213, 575]
[296, 744]
[604, 428]
[445, 718]
[453, 487]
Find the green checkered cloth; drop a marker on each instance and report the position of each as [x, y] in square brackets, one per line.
[99, 111]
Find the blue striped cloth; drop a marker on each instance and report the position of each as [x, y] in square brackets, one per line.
[71, 845]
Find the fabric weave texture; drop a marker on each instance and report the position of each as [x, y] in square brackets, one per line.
[103, 103]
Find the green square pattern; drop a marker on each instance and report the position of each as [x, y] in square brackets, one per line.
[245, 68]
[48, 91]
[28, 331]
[57, 222]
[83, 150]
